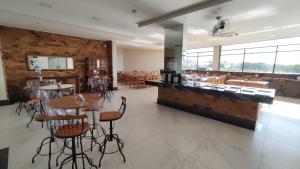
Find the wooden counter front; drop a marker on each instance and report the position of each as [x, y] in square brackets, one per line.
[242, 113]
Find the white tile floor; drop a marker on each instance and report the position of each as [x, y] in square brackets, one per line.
[158, 137]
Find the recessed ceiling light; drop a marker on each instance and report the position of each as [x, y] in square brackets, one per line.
[96, 19]
[46, 5]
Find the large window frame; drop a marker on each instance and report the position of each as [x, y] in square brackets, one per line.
[198, 54]
[272, 51]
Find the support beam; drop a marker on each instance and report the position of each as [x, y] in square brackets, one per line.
[182, 11]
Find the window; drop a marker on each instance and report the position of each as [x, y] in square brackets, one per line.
[274, 56]
[232, 60]
[197, 59]
[288, 59]
[259, 62]
[259, 59]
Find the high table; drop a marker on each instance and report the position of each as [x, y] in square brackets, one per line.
[57, 88]
[71, 102]
[236, 105]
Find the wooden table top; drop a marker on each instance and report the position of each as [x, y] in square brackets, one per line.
[70, 102]
[56, 87]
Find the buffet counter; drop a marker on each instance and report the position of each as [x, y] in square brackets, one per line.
[231, 104]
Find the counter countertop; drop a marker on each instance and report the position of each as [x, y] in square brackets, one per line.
[236, 92]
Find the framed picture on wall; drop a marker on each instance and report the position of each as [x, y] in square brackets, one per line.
[50, 62]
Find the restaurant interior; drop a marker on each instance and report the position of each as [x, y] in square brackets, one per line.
[137, 84]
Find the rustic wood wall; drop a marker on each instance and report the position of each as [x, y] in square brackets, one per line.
[18, 43]
[219, 104]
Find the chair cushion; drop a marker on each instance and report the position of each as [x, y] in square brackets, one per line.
[69, 131]
[110, 116]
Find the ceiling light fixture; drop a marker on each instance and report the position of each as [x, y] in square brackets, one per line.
[261, 31]
[259, 13]
[46, 5]
[157, 36]
[291, 26]
[268, 27]
[270, 30]
[196, 31]
[130, 44]
[141, 41]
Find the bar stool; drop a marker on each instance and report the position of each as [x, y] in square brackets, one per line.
[111, 116]
[48, 140]
[71, 127]
[39, 110]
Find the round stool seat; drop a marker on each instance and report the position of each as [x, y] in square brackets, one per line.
[110, 116]
[69, 131]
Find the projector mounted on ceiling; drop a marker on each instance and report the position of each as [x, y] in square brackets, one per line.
[220, 29]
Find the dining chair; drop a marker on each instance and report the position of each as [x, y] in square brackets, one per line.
[71, 127]
[111, 116]
[38, 113]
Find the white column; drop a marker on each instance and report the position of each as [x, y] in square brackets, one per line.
[114, 64]
[216, 58]
[3, 94]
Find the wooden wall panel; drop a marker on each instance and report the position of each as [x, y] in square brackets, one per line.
[18, 43]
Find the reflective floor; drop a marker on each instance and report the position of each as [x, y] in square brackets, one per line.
[158, 137]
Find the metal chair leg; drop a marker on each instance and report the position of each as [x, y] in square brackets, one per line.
[19, 108]
[120, 149]
[64, 146]
[82, 152]
[39, 148]
[32, 117]
[50, 153]
[103, 151]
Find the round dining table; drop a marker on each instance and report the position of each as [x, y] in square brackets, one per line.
[89, 101]
[74, 102]
[57, 88]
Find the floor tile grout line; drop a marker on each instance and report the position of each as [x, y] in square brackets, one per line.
[264, 140]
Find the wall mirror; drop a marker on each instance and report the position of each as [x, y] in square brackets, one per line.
[50, 62]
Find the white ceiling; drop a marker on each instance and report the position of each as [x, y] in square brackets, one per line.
[113, 19]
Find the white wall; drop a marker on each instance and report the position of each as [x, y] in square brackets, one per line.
[120, 59]
[114, 63]
[143, 59]
[216, 58]
[3, 94]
